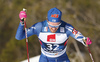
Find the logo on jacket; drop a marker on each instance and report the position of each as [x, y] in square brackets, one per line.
[75, 31]
[46, 29]
[51, 38]
[62, 29]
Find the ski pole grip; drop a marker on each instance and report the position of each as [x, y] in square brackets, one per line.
[25, 11]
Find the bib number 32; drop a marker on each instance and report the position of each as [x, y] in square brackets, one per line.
[52, 46]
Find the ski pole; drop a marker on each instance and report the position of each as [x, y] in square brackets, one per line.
[89, 50]
[90, 53]
[26, 36]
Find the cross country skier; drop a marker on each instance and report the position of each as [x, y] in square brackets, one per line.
[53, 35]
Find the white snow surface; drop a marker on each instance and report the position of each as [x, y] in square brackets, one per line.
[33, 59]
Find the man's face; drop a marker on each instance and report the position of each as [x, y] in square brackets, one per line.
[53, 26]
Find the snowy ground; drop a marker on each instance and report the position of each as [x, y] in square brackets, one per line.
[33, 59]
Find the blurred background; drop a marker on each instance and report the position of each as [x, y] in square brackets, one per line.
[84, 15]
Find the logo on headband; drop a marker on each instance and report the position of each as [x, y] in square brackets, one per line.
[55, 15]
[53, 20]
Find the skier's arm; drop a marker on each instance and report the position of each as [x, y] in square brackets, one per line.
[78, 36]
[35, 29]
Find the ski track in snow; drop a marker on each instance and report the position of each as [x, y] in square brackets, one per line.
[33, 59]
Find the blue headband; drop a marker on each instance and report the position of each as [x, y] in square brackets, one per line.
[54, 15]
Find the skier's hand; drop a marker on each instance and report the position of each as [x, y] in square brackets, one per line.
[22, 16]
[87, 41]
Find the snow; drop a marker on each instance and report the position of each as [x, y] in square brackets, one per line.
[33, 59]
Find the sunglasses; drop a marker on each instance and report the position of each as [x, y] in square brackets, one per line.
[54, 26]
